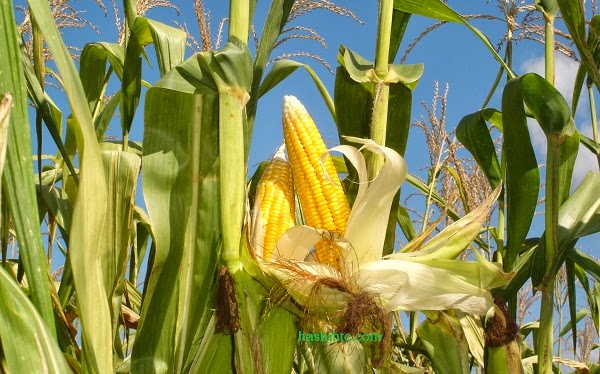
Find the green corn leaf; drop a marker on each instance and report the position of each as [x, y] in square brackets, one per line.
[99, 53]
[587, 263]
[214, 352]
[17, 176]
[336, 357]
[282, 69]
[455, 238]
[578, 316]
[144, 232]
[437, 9]
[572, 295]
[277, 334]
[568, 154]
[548, 106]
[180, 175]
[493, 116]
[169, 45]
[577, 87]
[231, 70]
[5, 106]
[354, 93]
[131, 85]
[472, 327]
[353, 102]
[168, 41]
[473, 133]
[399, 23]
[59, 205]
[406, 224]
[92, 71]
[90, 209]
[122, 170]
[441, 336]
[591, 145]
[106, 115]
[522, 269]
[50, 113]
[568, 151]
[522, 174]
[28, 345]
[578, 216]
[166, 145]
[548, 7]
[277, 16]
[363, 71]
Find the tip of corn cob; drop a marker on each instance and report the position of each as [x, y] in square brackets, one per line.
[274, 210]
[291, 100]
[280, 154]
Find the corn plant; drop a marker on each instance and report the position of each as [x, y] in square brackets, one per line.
[237, 268]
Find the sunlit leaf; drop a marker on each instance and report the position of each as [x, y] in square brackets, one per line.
[442, 337]
[17, 187]
[27, 343]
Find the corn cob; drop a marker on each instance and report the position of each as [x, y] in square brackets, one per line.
[274, 210]
[319, 190]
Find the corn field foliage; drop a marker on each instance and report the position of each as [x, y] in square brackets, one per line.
[185, 273]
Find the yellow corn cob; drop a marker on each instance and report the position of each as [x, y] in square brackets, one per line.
[274, 210]
[319, 190]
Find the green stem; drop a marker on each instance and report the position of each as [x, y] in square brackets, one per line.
[239, 19]
[493, 88]
[384, 31]
[382, 90]
[545, 339]
[545, 334]
[546, 329]
[232, 174]
[378, 126]
[414, 323]
[125, 146]
[232, 169]
[549, 48]
[560, 303]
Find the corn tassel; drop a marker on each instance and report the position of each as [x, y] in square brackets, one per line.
[274, 210]
[319, 190]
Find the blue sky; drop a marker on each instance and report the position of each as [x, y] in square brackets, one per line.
[451, 55]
